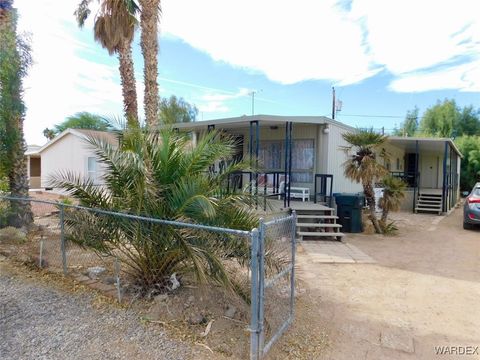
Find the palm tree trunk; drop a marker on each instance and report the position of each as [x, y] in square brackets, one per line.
[149, 43]
[384, 218]
[370, 198]
[129, 90]
[12, 111]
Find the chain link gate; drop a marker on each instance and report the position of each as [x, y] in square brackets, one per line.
[273, 290]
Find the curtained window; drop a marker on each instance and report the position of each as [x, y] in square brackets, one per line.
[272, 158]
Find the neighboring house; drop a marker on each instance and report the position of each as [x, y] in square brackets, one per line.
[70, 152]
[33, 166]
[308, 151]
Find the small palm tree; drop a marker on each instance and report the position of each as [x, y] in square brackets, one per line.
[393, 194]
[362, 166]
[161, 175]
[114, 29]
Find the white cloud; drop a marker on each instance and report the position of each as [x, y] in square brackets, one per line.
[289, 42]
[342, 42]
[214, 102]
[61, 82]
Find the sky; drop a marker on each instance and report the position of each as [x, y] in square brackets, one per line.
[383, 58]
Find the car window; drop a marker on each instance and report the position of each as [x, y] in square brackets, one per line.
[476, 191]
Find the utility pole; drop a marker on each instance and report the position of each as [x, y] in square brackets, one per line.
[333, 103]
[253, 92]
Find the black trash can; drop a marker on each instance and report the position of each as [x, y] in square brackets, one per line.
[349, 211]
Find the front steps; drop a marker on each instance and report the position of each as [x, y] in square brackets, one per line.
[318, 224]
[430, 203]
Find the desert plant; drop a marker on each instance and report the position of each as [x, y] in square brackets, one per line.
[362, 166]
[393, 194]
[161, 175]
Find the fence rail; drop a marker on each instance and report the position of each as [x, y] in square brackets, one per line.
[68, 239]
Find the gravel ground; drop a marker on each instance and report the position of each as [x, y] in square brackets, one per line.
[39, 322]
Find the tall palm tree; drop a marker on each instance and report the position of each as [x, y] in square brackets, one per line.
[149, 17]
[362, 166]
[14, 62]
[393, 194]
[114, 29]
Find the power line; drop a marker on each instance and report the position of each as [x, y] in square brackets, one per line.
[376, 116]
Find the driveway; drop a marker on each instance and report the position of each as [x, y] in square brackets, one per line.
[422, 296]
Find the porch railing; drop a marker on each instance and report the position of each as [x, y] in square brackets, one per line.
[408, 177]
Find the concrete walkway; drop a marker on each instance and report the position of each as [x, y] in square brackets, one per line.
[333, 252]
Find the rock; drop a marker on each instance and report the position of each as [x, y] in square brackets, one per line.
[2, 258]
[160, 298]
[95, 272]
[109, 280]
[197, 319]
[191, 299]
[230, 312]
[174, 281]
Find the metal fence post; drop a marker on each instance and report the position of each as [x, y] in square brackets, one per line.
[261, 283]
[254, 330]
[117, 280]
[292, 274]
[62, 239]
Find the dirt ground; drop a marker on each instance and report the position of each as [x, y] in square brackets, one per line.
[422, 292]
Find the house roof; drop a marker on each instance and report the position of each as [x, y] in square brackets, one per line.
[432, 144]
[266, 120]
[32, 150]
[83, 134]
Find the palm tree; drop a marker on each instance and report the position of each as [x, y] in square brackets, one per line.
[149, 17]
[393, 194]
[362, 166]
[161, 175]
[14, 62]
[114, 29]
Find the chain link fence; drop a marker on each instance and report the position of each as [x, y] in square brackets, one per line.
[130, 256]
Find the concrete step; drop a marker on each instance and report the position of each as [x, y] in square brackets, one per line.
[312, 216]
[428, 209]
[318, 225]
[420, 204]
[423, 196]
[428, 201]
[321, 234]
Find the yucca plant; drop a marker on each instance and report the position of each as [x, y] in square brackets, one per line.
[362, 166]
[393, 194]
[162, 175]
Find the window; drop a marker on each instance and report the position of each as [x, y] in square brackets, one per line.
[398, 164]
[272, 158]
[92, 168]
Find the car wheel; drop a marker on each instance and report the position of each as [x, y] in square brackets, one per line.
[467, 226]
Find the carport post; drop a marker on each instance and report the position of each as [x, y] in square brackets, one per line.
[444, 186]
[415, 180]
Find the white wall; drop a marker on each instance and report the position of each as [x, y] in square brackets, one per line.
[335, 159]
[70, 153]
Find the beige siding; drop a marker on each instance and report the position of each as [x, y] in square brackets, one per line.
[430, 166]
[395, 156]
[67, 154]
[336, 157]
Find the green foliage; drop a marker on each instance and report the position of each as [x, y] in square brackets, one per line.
[390, 228]
[176, 110]
[15, 60]
[161, 175]
[81, 120]
[409, 126]
[446, 119]
[393, 194]
[440, 120]
[469, 146]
